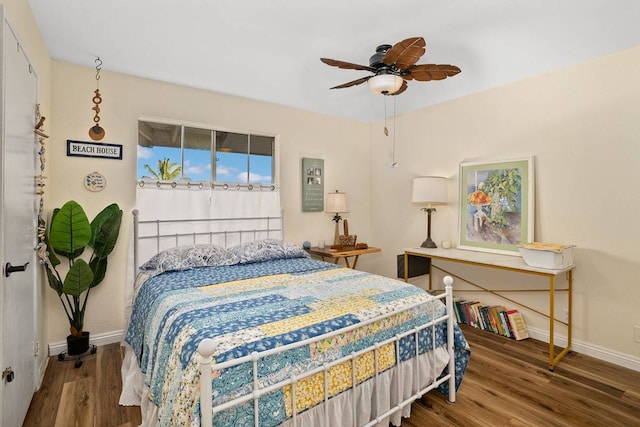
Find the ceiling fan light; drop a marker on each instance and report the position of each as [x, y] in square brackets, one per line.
[386, 84]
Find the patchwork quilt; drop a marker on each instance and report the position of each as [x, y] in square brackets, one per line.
[257, 306]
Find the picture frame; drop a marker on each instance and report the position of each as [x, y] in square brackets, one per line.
[312, 185]
[94, 149]
[496, 205]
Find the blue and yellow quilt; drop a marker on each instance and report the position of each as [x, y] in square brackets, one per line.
[259, 306]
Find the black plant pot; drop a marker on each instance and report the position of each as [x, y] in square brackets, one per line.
[77, 346]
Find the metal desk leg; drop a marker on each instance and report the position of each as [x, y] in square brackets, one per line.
[553, 359]
[552, 321]
[569, 306]
[406, 267]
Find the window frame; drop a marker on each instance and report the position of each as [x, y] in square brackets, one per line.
[213, 149]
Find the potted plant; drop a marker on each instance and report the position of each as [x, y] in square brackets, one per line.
[69, 234]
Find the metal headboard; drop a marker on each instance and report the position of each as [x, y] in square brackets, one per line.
[222, 231]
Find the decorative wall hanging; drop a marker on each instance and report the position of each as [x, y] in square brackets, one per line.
[496, 205]
[312, 185]
[96, 132]
[90, 149]
[95, 181]
[41, 247]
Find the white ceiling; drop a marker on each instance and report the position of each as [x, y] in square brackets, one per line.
[269, 50]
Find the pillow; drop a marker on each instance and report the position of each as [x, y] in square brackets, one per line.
[186, 257]
[267, 249]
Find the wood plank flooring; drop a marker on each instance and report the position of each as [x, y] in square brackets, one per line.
[507, 384]
[83, 397]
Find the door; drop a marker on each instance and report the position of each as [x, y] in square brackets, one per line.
[18, 228]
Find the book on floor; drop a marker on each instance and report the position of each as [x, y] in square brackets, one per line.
[518, 326]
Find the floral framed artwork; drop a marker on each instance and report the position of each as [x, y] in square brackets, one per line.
[496, 205]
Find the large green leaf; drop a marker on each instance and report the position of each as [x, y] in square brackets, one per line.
[54, 283]
[53, 259]
[99, 269]
[106, 228]
[78, 278]
[70, 230]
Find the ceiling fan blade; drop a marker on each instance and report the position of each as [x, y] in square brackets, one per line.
[346, 65]
[427, 72]
[402, 88]
[405, 53]
[352, 83]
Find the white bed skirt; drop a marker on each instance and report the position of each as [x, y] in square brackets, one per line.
[340, 411]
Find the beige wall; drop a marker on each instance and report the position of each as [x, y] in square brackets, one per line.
[343, 145]
[581, 124]
[18, 13]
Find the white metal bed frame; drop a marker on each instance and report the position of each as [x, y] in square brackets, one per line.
[274, 226]
[206, 348]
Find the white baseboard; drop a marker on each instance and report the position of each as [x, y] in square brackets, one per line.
[56, 348]
[611, 356]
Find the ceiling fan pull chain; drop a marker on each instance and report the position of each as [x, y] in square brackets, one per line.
[394, 164]
[386, 131]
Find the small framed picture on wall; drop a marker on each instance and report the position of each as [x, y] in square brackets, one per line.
[312, 185]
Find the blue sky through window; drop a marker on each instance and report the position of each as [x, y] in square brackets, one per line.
[231, 167]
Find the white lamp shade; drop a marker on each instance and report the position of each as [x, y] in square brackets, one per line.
[385, 83]
[336, 203]
[430, 190]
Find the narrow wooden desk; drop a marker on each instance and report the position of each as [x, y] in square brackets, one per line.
[508, 263]
[336, 255]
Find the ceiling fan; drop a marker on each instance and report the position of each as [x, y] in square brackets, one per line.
[393, 65]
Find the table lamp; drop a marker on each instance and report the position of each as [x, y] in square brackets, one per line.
[336, 203]
[429, 190]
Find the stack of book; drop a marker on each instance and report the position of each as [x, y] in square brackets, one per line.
[495, 318]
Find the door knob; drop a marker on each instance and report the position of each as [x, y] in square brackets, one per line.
[8, 268]
[8, 374]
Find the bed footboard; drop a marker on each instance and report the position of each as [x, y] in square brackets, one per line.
[206, 350]
[448, 286]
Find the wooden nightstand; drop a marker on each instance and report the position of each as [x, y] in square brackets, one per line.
[346, 254]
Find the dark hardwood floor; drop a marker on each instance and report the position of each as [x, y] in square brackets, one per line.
[83, 397]
[507, 384]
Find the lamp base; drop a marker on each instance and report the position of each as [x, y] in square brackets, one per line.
[428, 243]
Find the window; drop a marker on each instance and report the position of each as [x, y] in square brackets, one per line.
[170, 152]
